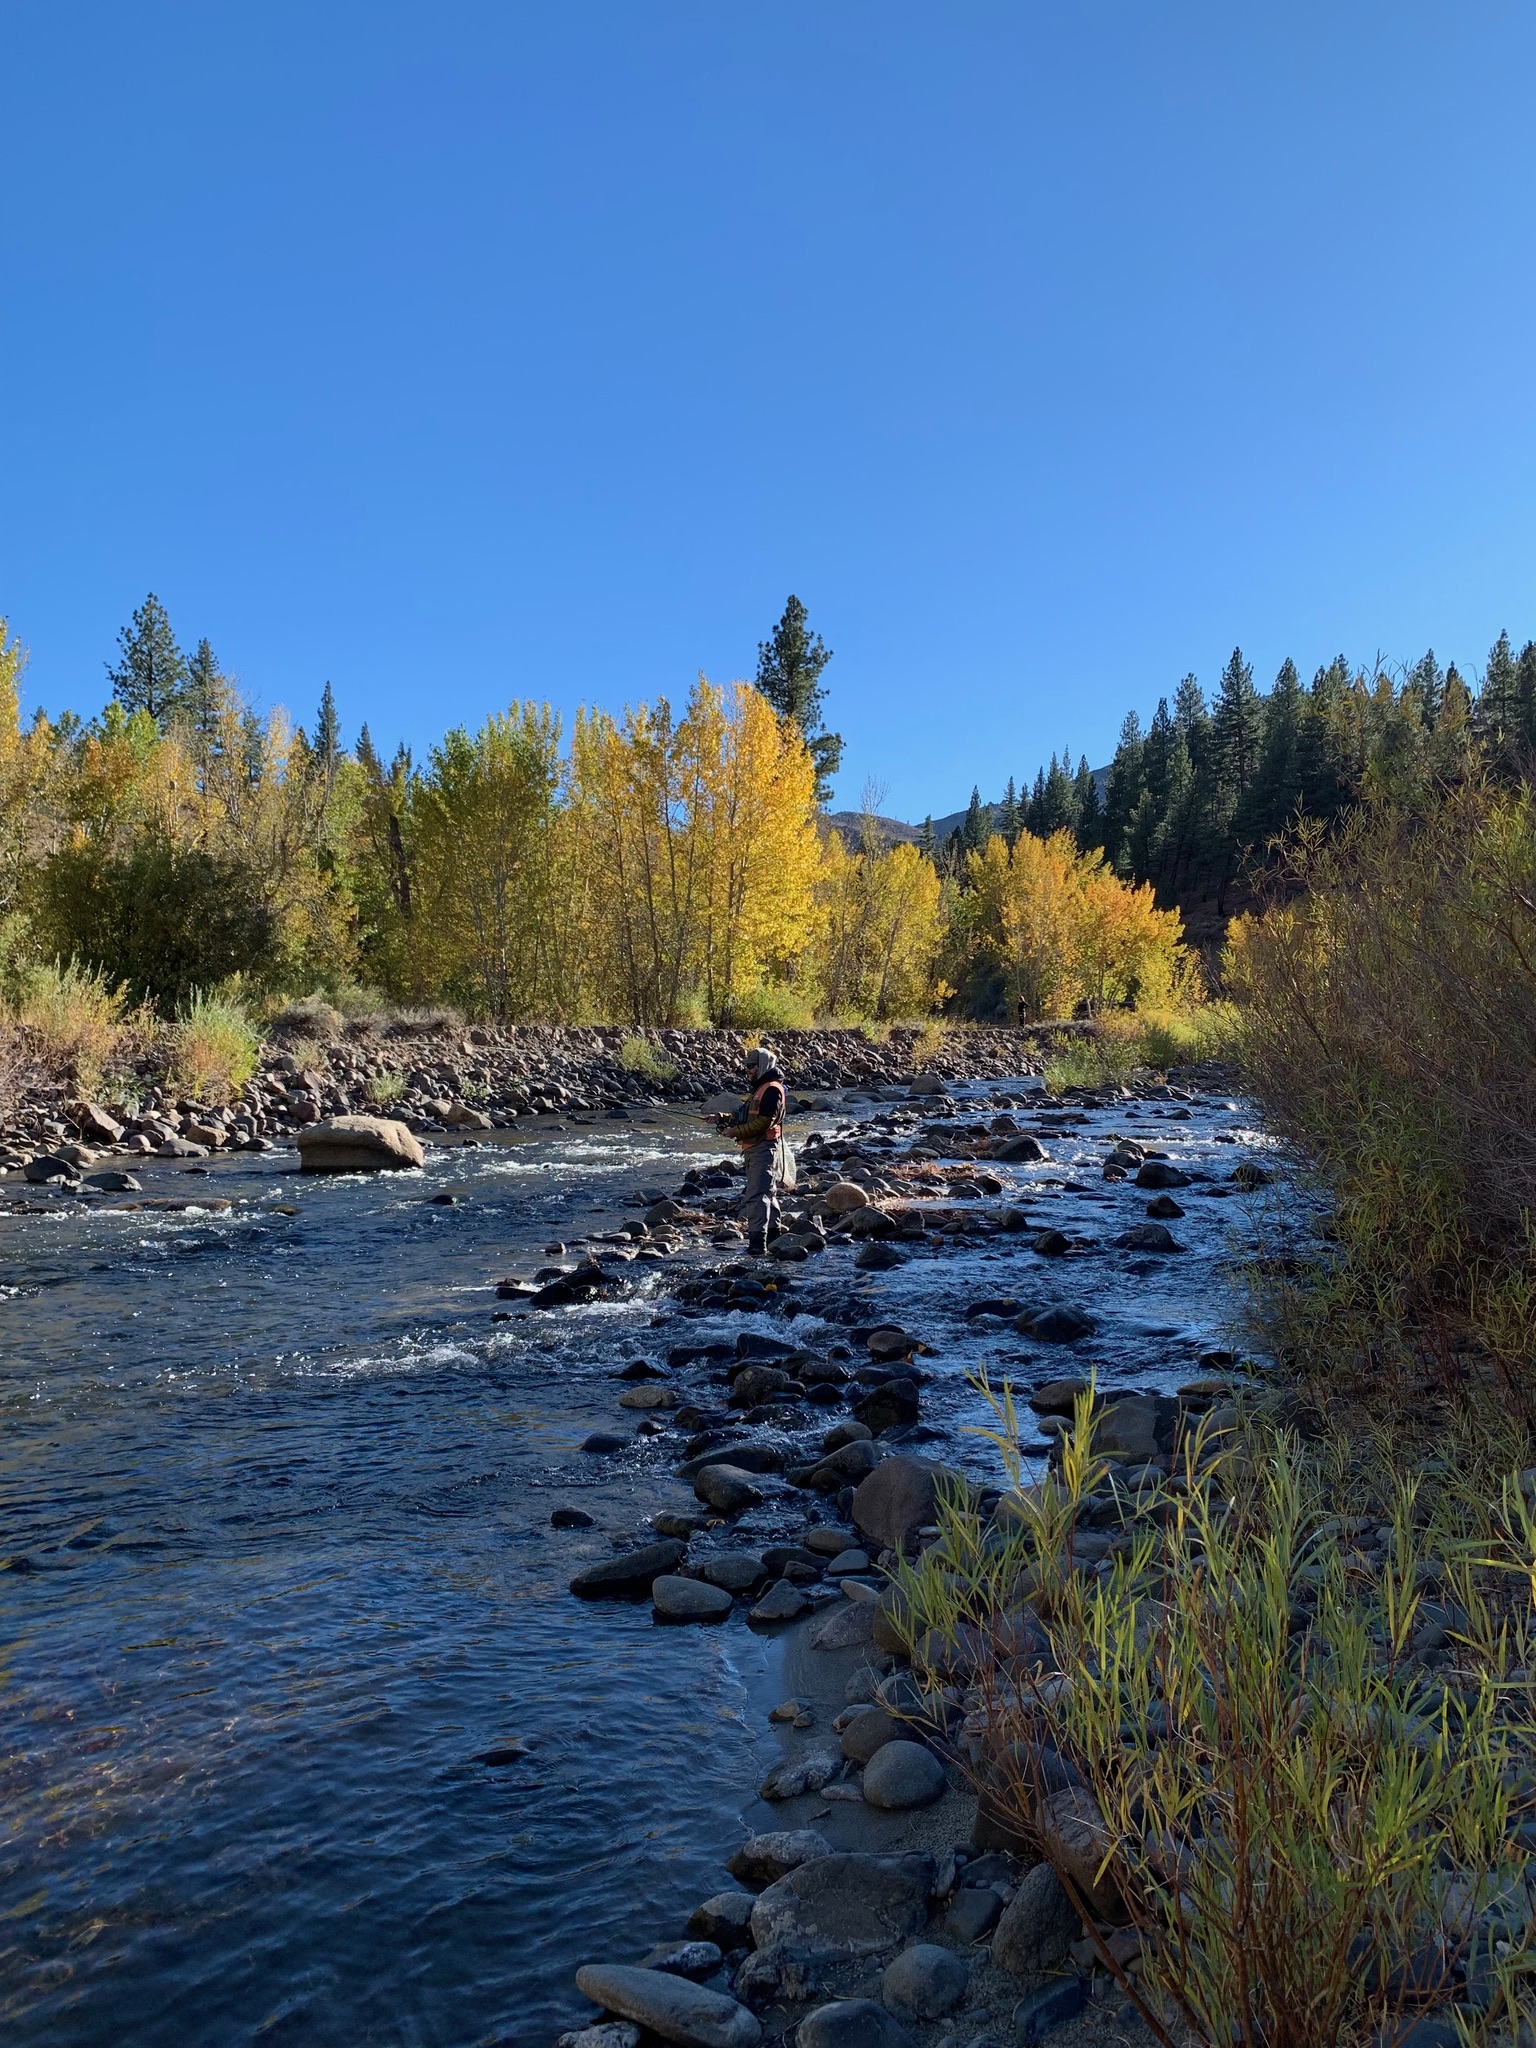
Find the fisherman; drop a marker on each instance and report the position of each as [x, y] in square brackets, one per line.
[758, 1128]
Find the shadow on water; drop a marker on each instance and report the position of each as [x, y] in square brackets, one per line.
[285, 1490]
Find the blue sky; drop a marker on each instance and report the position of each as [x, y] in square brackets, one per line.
[457, 353]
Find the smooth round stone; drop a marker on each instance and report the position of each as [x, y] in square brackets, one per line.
[602, 1443]
[571, 1518]
[868, 1732]
[902, 1774]
[736, 1570]
[827, 1542]
[689, 1600]
[848, 1561]
[726, 1489]
[925, 1982]
[852, 2023]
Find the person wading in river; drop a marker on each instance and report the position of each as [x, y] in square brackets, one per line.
[758, 1128]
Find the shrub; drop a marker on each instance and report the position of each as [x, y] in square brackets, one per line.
[313, 1016]
[384, 1089]
[1389, 1031]
[1121, 1043]
[930, 1042]
[76, 1016]
[163, 918]
[771, 1008]
[1312, 1836]
[214, 1048]
[642, 1056]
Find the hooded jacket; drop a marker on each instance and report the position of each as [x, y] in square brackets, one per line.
[761, 1121]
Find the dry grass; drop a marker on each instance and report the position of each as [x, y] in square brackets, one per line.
[75, 1020]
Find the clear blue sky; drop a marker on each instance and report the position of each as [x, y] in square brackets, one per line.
[465, 352]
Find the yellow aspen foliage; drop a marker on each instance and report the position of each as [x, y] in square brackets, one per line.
[1065, 930]
[880, 928]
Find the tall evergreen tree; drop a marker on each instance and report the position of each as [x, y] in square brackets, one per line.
[1086, 796]
[1123, 791]
[925, 845]
[1277, 783]
[789, 668]
[151, 670]
[327, 735]
[1237, 724]
[1525, 704]
[1008, 823]
[1496, 699]
[1427, 679]
[973, 833]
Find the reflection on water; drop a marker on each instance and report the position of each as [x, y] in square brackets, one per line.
[285, 1492]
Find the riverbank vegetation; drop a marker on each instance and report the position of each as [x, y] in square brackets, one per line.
[670, 866]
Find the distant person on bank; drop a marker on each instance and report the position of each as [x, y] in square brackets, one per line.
[758, 1128]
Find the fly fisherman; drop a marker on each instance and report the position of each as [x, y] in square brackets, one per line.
[758, 1128]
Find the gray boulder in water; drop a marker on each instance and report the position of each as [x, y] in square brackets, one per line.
[358, 1144]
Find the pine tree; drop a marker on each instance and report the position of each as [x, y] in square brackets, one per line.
[1428, 679]
[1008, 824]
[1525, 703]
[789, 670]
[925, 845]
[1086, 795]
[1059, 806]
[974, 833]
[327, 748]
[1123, 790]
[1237, 724]
[151, 671]
[1276, 789]
[1496, 699]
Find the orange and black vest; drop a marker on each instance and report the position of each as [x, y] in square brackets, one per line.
[757, 1105]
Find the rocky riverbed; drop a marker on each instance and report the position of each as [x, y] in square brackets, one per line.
[329, 1457]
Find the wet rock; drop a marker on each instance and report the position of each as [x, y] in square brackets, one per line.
[1037, 1927]
[726, 1489]
[925, 1982]
[848, 1561]
[852, 2023]
[764, 1859]
[628, 1575]
[572, 1518]
[689, 1600]
[358, 1144]
[1247, 1175]
[845, 1905]
[1057, 1397]
[845, 1467]
[184, 1148]
[879, 1258]
[898, 1498]
[1157, 1173]
[844, 1196]
[700, 1958]
[1056, 1325]
[1164, 1208]
[113, 1180]
[1147, 1237]
[1050, 1244]
[1022, 1147]
[48, 1166]
[738, 1571]
[602, 1443]
[845, 1433]
[723, 1919]
[647, 1400]
[641, 1369]
[903, 1774]
[611, 2034]
[781, 1602]
[889, 1406]
[680, 2011]
[888, 1343]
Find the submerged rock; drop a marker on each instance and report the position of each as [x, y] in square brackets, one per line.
[677, 2009]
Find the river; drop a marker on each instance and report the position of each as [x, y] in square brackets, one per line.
[276, 1494]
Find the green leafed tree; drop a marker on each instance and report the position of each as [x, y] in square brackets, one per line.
[789, 670]
[150, 673]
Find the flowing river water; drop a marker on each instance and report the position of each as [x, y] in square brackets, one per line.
[275, 1496]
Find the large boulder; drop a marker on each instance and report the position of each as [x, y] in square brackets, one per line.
[358, 1144]
[1023, 1147]
[844, 1196]
[902, 1774]
[1134, 1429]
[852, 2023]
[842, 1906]
[674, 2007]
[898, 1498]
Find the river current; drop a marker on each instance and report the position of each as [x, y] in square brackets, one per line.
[275, 1492]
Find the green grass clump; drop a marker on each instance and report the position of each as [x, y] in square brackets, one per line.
[214, 1047]
[641, 1056]
[1313, 1836]
[384, 1089]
